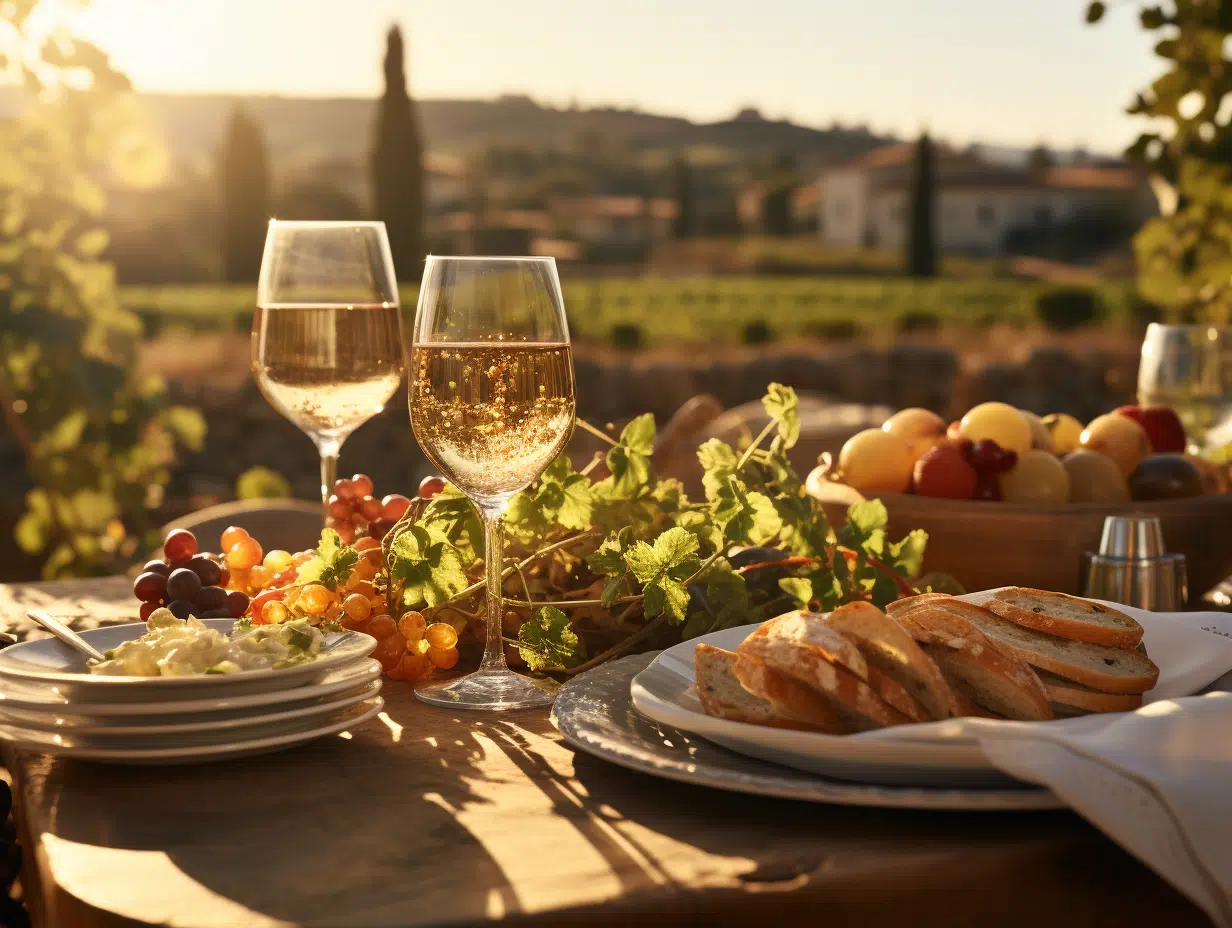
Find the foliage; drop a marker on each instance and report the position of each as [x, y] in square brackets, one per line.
[1185, 255]
[685, 223]
[397, 164]
[623, 555]
[1063, 309]
[98, 440]
[243, 179]
[262, 483]
[921, 230]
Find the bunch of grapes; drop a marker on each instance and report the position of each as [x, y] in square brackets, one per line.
[252, 569]
[352, 509]
[188, 582]
[988, 460]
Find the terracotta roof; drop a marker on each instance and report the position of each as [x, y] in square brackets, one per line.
[1093, 177]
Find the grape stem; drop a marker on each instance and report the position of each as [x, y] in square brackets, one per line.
[594, 462]
[904, 588]
[748, 452]
[525, 562]
[598, 433]
[621, 647]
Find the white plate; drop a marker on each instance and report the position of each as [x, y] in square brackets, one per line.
[52, 703]
[594, 713]
[665, 692]
[64, 746]
[50, 662]
[176, 729]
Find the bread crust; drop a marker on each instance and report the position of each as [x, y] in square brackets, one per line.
[792, 700]
[787, 710]
[1060, 614]
[1075, 695]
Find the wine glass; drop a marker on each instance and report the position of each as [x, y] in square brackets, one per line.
[1189, 367]
[492, 405]
[327, 346]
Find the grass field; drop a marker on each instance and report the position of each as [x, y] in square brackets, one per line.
[654, 311]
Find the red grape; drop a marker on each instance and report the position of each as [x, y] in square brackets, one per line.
[157, 567]
[943, 472]
[394, 506]
[146, 609]
[212, 597]
[430, 486]
[181, 608]
[369, 508]
[206, 568]
[379, 528]
[362, 484]
[224, 576]
[338, 508]
[237, 602]
[180, 544]
[345, 489]
[345, 530]
[150, 587]
[987, 457]
[183, 584]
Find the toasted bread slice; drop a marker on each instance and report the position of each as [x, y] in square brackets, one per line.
[794, 702]
[854, 701]
[1066, 616]
[888, 648]
[1110, 670]
[969, 708]
[899, 606]
[813, 631]
[1075, 695]
[724, 696]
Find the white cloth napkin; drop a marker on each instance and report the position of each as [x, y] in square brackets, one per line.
[1157, 781]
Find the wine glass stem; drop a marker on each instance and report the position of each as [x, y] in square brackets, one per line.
[494, 542]
[329, 471]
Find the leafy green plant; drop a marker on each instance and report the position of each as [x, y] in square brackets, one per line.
[98, 440]
[1064, 309]
[598, 565]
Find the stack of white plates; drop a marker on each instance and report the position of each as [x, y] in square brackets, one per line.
[50, 702]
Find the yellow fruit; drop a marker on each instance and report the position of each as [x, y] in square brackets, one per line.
[1120, 438]
[1041, 438]
[921, 429]
[999, 421]
[1038, 477]
[277, 561]
[874, 461]
[1066, 432]
[1094, 478]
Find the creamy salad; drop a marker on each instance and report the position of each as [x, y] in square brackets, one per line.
[172, 648]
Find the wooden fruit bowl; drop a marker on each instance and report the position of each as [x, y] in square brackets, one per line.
[988, 544]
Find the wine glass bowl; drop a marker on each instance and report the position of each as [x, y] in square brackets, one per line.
[327, 349]
[492, 404]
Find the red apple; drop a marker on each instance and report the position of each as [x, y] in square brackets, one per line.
[1162, 426]
[944, 472]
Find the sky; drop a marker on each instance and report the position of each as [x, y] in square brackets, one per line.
[1014, 72]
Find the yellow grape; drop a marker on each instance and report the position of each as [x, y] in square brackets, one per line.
[999, 421]
[418, 646]
[415, 666]
[259, 578]
[412, 626]
[238, 581]
[441, 635]
[314, 599]
[357, 607]
[277, 561]
[382, 626]
[332, 611]
[443, 658]
[231, 537]
[274, 612]
[244, 554]
[302, 557]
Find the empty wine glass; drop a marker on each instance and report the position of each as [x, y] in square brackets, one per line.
[492, 405]
[327, 347]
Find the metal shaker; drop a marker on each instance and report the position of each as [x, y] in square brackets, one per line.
[1133, 567]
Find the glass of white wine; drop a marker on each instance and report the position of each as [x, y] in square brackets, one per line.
[327, 348]
[492, 405]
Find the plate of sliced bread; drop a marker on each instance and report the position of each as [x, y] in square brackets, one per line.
[897, 697]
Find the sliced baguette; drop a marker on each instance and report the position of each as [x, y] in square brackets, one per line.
[889, 649]
[992, 677]
[1110, 670]
[969, 708]
[724, 696]
[853, 700]
[899, 606]
[1075, 695]
[1066, 616]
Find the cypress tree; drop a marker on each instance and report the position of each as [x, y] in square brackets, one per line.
[921, 232]
[397, 165]
[243, 176]
[685, 225]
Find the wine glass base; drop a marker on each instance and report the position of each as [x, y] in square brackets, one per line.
[491, 690]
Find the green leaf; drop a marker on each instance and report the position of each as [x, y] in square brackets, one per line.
[546, 640]
[639, 435]
[629, 462]
[718, 461]
[336, 560]
[452, 517]
[748, 518]
[262, 483]
[662, 568]
[565, 495]
[798, 588]
[907, 556]
[432, 571]
[783, 406]
[187, 424]
[865, 528]
[609, 558]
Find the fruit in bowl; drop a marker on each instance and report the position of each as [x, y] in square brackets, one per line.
[999, 422]
[1120, 438]
[1162, 425]
[921, 429]
[876, 461]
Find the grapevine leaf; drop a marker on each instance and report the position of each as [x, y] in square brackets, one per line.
[709, 533]
[783, 407]
[609, 558]
[798, 588]
[450, 515]
[546, 641]
[639, 435]
[670, 495]
[724, 603]
[629, 461]
[718, 460]
[564, 495]
[431, 570]
[907, 556]
[332, 564]
[865, 528]
[662, 568]
[748, 518]
[805, 529]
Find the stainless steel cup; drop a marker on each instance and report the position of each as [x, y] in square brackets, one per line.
[1133, 567]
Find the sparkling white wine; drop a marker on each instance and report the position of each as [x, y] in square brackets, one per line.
[328, 368]
[492, 416]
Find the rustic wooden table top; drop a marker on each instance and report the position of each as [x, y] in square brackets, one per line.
[433, 817]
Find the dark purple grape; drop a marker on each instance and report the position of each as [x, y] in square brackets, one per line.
[156, 567]
[179, 545]
[223, 613]
[205, 568]
[181, 608]
[150, 587]
[212, 597]
[238, 603]
[224, 577]
[183, 584]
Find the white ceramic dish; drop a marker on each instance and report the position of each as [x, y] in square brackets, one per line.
[167, 729]
[67, 746]
[49, 662]
[594, 713]
[49, 701]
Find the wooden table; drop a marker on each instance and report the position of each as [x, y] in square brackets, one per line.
[434, 817]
